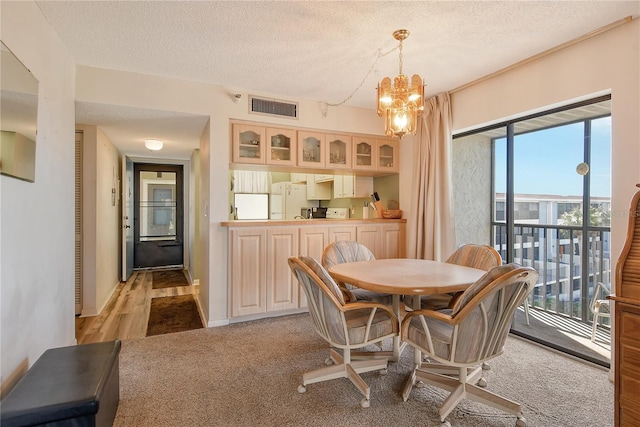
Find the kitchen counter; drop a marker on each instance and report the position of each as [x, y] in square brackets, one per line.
[312, 222]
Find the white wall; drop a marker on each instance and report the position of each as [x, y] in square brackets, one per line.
[101, 250]
[606, 63]
[37, 219]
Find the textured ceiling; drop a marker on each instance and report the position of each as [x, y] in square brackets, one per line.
[319, 50]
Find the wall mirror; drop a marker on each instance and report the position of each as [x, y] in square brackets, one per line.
[18, 117]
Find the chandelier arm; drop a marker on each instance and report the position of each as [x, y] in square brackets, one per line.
[378, 56]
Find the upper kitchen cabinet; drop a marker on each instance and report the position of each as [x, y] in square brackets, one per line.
[338, 154]
[249, 144]
[350, 186]
[282, 146]
[387, 155]
[311, 149]
[364, 153]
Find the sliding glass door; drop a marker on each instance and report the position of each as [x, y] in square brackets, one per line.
[550, 209]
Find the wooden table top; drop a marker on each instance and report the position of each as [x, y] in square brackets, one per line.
[406, 276]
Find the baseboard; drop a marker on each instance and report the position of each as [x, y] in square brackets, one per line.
[95, 312]
[13, 378]
[216, 323]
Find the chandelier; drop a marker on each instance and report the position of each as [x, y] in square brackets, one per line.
[401, 103]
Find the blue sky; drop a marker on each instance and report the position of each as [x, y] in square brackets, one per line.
[545, 161]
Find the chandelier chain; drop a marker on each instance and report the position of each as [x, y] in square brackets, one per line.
[378, 56]
[400, 57]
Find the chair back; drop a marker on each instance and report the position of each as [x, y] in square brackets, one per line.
[345, 251]
[482, 257]
[324, 298]
[482, 316]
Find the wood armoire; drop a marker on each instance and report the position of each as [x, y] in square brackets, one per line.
[627, 324]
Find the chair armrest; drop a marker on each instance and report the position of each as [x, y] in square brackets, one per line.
[346, 293]
[438, 315]
[362, 305]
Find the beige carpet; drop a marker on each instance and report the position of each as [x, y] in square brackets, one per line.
[246, 375]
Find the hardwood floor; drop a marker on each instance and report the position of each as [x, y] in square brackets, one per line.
[127, 312]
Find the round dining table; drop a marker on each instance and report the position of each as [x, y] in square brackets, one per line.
[402, 276]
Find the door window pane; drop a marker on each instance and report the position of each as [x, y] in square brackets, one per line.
[157, 206]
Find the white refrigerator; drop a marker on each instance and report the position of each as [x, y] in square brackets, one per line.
[287, 199]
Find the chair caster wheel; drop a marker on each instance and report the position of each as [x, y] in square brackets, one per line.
[383, 371]
[521, 422]
[486, 367]
[445, 424]
[365, 403]
[328, 361]
[301, 389]
[482, 382]
[419, 384]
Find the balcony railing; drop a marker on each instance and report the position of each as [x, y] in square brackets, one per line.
[569, 264]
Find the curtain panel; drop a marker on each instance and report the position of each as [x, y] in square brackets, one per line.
[431, 226]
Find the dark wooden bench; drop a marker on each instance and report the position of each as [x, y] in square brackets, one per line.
[69, 386]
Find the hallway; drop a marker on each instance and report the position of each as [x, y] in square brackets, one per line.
[126, 314]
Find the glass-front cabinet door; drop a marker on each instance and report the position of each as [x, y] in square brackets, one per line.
[338, 152]
[249, 144]
[387, 155]
[282, 146]
[364, 153]
[311, 148]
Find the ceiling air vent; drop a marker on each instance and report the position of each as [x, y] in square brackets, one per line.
[273, 108]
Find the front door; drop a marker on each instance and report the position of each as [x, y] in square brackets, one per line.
[158, 215]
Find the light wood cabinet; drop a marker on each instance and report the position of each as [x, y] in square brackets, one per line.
[311, 149]
[387, 155]
[260, 281]
[392, 239]
[282, 287]
[313, 240]
[369, 235]
[255, 144]
[249, 144]
[282, 148]
[365, 153]
[338, 154]
[247, 272]
[342, 233]
[264, 144]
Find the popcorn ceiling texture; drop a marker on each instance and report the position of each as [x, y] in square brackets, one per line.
[320, 51]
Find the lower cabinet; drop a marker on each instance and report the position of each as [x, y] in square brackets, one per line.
[248, 271]
[313, 240]
[260, 281]
[260, 278]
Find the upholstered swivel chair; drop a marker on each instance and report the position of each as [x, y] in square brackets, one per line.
[473, 331]
[599, 306]
[350, 251]
[343, 326]
[482, 257]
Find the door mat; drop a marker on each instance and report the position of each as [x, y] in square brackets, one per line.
[168, 279]
[173, 314]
